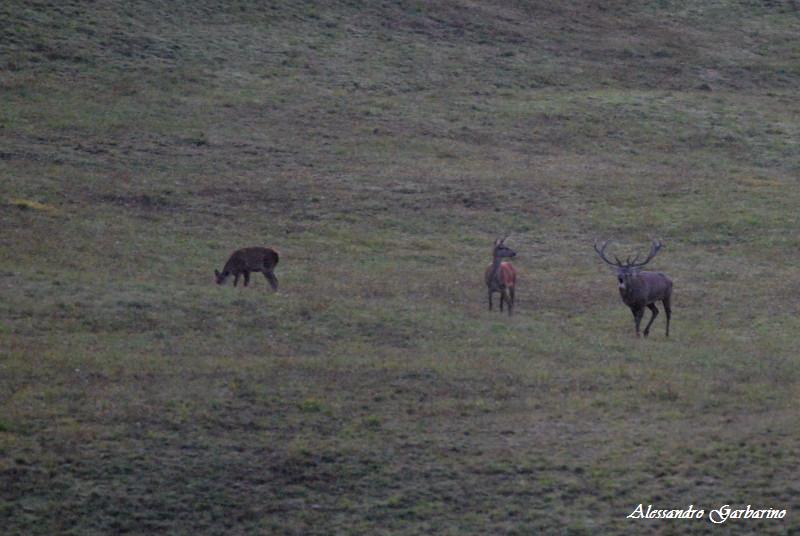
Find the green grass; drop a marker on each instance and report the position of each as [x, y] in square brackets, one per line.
[382, 149]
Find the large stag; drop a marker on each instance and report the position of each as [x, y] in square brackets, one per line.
[641, 289]
[501, 276]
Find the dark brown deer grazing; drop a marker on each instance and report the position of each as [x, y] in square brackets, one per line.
[501, 276]
[244, 261]
[641, 289]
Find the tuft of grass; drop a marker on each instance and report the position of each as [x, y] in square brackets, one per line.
[309, 405]
[28, 204]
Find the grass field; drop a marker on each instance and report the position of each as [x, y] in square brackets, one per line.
[381, 148]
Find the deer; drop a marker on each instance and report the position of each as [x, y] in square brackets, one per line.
[501, 276]
[246, 260]
[640, 289]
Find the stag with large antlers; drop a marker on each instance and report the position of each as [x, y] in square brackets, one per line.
[501, 276]
[641, 289]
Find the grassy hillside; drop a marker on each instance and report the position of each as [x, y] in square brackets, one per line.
[381, 147]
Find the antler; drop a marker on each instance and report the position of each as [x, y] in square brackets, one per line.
[656, 247]
[602, 254]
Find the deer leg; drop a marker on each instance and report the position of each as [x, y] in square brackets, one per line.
[668, 310]
[652, 307]
[490, 300]
[246, 278]
[510, 300]
[638, 313]
[235, 280]
[502, 299]
[273, 281]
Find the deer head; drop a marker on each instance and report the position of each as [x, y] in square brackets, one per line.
[221, 276]
[627, 270]
[501, 250]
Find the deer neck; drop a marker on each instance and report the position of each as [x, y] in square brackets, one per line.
[632, 290]
[496, 269]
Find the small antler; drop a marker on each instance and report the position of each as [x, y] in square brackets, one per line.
[656, 247]
[601, 252]
[500, 241]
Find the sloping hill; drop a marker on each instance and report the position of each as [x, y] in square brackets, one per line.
[381, 147]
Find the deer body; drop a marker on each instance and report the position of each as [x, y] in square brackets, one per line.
[244, 261]
[644, 290]
[640, 289]
[500, 276]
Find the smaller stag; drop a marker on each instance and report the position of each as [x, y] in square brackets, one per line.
[246, 260]
[501, 276]
[641, 289]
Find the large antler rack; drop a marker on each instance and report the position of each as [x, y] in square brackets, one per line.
[656, 247]
[601, 252]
